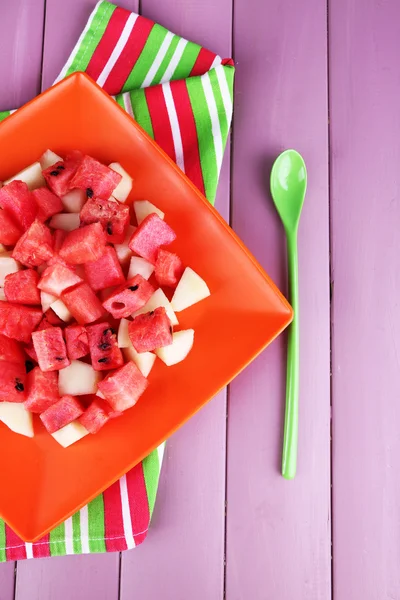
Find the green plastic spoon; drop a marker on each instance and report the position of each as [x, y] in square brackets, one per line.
[288, 189]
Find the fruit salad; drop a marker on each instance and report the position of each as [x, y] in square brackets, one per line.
[85, 282]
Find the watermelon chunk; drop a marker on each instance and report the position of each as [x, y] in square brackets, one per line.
[10, 351]
[59, 237]
[63, 412]
[150, 331]
[58, 176]
[83, 304]
[104, 351]
[113, 217]
[122, 388]
[12, 382]
[18, 322]
[129, 297]
[105, 271]
[50, 349]
[83, 245]
[169, 268]
[57, 278]
[152, 233]
[35, 246]
[21, 287]
[49, 204]
[76, 340]
[96, 416]
[9, 231]
[42, 390]
[98, 180]
[17, 200]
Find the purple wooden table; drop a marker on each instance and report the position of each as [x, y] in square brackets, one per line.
[226, 525]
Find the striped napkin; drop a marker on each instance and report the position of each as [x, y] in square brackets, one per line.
[181, 94]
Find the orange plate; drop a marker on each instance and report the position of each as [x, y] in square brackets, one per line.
[41, 483]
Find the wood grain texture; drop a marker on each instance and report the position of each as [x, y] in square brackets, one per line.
[83, 577]
[183, 556]
[365, 213]
[7, 576]
[278, 532]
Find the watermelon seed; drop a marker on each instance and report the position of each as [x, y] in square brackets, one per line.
[29, 366]
[103, 360]
[60, 357]
[110, 329]
[109, 228]
[89, 192]
[19, 386]
[104, 346]
[54, 173]
[60, 168]
[151, 312]
[134, 288]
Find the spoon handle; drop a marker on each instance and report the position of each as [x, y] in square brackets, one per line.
[290, 436]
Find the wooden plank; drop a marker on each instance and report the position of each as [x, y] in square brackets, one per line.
[183, 556]
[78, 577]
[278, 532]
[20, 63]
[86, 577]
[365, 211]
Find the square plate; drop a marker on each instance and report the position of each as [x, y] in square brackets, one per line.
[41, 483]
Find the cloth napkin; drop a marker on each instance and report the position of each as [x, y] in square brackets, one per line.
[181, 94]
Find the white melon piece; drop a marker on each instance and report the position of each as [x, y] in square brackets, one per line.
[17, 418]
[100, 394]
[2, 295]
[156, 300]
[61, 311]
[74, 200]
[143, 360]
[48, 159]
[182, 343]
[46, 300]
[143, 208]
[140, 266]
[32, 176]
[78, 379]
[123, 336]
[190, 290]
[69, 434]
[7, 265]
[124, 187]
[65, 221]
[123, 251]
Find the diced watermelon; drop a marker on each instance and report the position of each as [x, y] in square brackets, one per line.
[10, 232]
[169, 268]
[57, 278]
[50, 349]
[83, 245]
[58, 176]
[35, 246]
[95, 416]
[54, 319]
[10, 350]
[12, 382]
[30, 351]
[129, 297]
[44, 323]
[98, 180]
[76, 340]
[104, 351]
[21, 287]
[42, 390]
[152, 233]
[63, 412]
[83, 304]
[122, 388]
[104, 272]
[150, 331]
[17, 200]
[49, 204]
[18, 322]
[113, 217]
[59, 237]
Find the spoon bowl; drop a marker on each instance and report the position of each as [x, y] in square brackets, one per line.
[288, 187]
